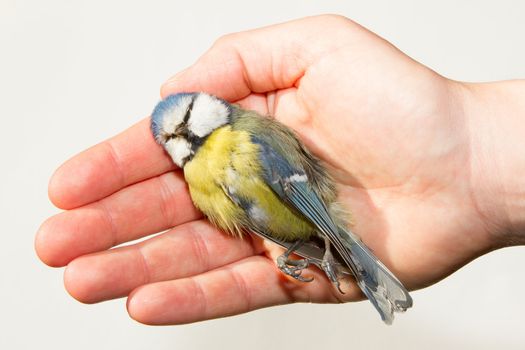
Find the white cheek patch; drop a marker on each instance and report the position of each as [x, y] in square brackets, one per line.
[207, 114]
[175, 115]
[179, 149]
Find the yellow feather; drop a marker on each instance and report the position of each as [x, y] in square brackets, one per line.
[228, 159]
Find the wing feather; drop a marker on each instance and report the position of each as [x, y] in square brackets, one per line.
[384, 290]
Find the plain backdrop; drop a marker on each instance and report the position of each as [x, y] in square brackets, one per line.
[74, 73]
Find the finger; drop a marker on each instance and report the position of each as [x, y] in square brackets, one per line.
[246, 285]
[127, 158]
[138, 210]
[260, 60]
[186, 250]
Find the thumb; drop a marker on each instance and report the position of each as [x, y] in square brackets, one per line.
[256, 61]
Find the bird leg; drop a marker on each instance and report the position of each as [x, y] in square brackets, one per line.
[293, 267]
[329, 265]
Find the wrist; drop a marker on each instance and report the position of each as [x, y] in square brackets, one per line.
[495, 117]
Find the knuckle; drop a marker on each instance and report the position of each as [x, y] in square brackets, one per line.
[225, 40]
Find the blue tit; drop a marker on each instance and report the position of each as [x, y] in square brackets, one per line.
[249, 173]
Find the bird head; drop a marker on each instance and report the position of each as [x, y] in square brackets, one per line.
[181, 122]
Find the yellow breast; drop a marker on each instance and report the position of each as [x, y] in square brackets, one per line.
[228, 161]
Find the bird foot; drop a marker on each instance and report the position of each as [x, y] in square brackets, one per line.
[329, 266]
[293, 268]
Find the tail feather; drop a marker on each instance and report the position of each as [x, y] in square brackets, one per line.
[385, 291]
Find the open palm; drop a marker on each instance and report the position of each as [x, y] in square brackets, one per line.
[390, 131]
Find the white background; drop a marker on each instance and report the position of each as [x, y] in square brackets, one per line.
[74, 73]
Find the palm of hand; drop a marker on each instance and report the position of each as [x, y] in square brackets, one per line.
[397, 147]
[395, 141]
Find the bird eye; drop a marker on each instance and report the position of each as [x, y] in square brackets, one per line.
[183, 131]
[168, 137]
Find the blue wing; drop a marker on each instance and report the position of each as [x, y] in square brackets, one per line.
[291, 183]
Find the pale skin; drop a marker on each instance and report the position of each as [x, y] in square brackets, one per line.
[431, 169]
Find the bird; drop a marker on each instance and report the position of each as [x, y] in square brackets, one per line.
[249, 173]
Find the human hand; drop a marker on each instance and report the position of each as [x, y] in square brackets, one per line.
[393, 133]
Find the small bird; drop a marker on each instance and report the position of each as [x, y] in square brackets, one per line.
[250, 173]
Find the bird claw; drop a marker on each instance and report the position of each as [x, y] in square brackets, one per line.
[293, 268]
[329, 266]
[330, 270]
